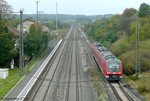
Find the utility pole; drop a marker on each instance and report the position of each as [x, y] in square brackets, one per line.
[137, 67]
[21, 49]
[37, 15]
[56, 19]
[40, 13]
[105, 23]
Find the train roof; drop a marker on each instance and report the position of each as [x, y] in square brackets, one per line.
[115, 59]
[101, 49]
[107, 53]
[109, 56]
[104, 52]
[97, 44]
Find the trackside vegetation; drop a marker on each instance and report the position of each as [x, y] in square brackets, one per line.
[118, 34]
[99, 84]
[36, 41]
[7, 84]
[14, 75]
[7, 49]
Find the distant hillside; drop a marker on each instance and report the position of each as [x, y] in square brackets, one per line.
[64, 17]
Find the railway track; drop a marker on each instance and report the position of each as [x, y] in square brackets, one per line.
[78, 76]
[47, 82]
[120, 93]
[70, 70]
[63, 79]
[125, 92]
[78, 72]
[47, 79]
[25, 91]
[73, 82]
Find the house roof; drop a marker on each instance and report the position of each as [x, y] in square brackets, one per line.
[30, 19]
[45, 28]
[13, 30]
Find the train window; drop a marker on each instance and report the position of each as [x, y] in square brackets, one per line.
[98, 45]
[114, 66]
[102, 49]
[110, 57]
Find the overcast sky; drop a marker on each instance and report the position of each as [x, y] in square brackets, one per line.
[87, 7]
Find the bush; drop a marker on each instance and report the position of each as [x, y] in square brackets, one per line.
[106, 43]
[142, 89]
[134, 77]
[143, 85]
[145, 57]
[121, 46]
[128, 69]
[128, 60]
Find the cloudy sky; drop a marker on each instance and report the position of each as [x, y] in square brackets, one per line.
[87, 7]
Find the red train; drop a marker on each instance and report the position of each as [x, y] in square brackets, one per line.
[110, 66]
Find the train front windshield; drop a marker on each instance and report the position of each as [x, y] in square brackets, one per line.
[114, 66]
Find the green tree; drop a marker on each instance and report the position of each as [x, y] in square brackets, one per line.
[144, 25]
[51, 24]
[7, 50]
[7, 41]
[144, 10]
[35, 42]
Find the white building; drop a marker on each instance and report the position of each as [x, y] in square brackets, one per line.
[27, 24]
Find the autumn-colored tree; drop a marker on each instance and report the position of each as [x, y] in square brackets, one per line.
[5, 9]
[129, 12]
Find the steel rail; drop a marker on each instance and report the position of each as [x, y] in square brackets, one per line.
[53, 76]
[69, 67]
[127, 95]
[51, 80]
[32, 81]
[65, 52]
[115, 92]
[43, 78]
[77, 70]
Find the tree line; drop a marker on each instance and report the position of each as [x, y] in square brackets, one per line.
[118, 33]
[34, 42]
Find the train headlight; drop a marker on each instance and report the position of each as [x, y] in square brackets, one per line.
[108, 72]
[114, 73]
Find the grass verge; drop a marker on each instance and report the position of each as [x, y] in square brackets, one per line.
[14, 76]
[99, 84]
[9, 82]
[141, 84]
